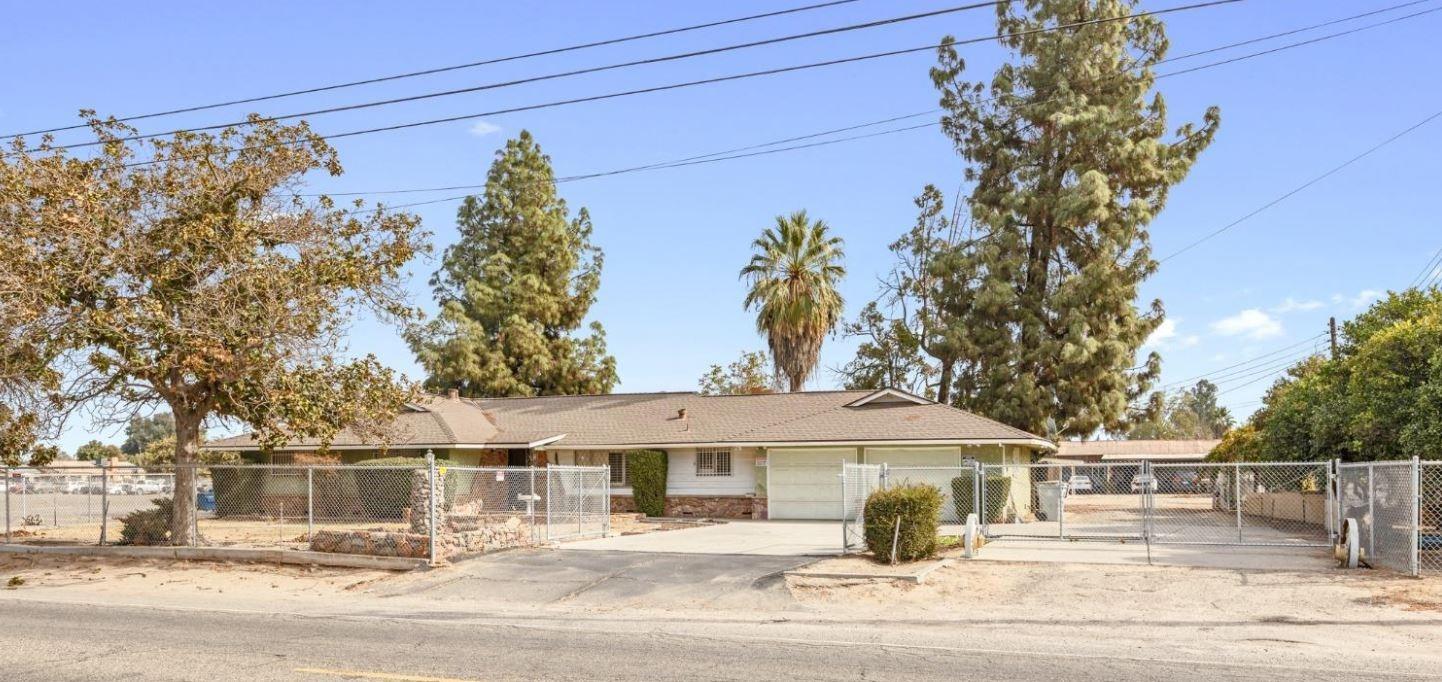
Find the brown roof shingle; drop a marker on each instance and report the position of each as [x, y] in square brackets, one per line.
[629, 419]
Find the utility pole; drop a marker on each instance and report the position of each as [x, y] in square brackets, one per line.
[1332, 332]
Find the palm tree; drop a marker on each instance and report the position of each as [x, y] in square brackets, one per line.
[793, 277]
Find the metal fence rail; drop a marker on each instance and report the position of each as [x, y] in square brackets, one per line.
[347, 508]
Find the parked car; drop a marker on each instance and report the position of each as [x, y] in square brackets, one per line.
[1079, 483]
[151, 487]
[1140, 480]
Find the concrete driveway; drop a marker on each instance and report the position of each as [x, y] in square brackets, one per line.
[603, 579]
[752, 538]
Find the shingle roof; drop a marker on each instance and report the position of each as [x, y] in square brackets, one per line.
[654, 419]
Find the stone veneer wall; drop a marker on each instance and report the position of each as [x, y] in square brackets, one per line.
[701, 506]
[463, 529]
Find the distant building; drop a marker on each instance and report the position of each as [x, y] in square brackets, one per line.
[1108, 451]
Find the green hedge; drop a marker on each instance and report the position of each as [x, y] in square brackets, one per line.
[647, 470]
[998, 489]
[918, 507]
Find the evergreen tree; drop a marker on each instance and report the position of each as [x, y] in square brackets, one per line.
[1069, 163]
[514, 289]
[140, 432]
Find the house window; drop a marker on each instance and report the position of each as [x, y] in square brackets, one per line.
[713, 462]
[617, 461]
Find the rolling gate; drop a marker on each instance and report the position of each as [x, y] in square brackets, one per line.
[1275, 504]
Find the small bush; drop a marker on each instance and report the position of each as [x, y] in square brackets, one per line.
[919, 509]
[998, 489]
[647, 469]
[147, 526]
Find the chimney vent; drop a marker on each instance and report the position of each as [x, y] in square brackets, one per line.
[681, 413]
[453, 393]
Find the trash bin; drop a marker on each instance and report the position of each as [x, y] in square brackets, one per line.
[1050, 497]
[205, 500]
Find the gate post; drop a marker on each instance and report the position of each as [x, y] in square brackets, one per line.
[310, 503]
[1237, 495]
[104, 499]
[431, 502]
[7, 505]
[1416, 515]
[976, 487]
[1371, 513]
[1334, 502]
[1148, 506]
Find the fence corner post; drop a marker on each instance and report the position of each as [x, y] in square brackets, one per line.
[431, 503]
[104, 499]
[7, 505]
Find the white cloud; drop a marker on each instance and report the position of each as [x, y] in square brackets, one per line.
[1166, 336]
[1250, 324]
[1363, 299]
[1292, 305]
[482, 128]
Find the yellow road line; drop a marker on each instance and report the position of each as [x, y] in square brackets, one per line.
[361, 674]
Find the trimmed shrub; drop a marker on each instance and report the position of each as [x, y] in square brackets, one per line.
[998, 489]
[918, 507]
[148, 526]
[647, 469]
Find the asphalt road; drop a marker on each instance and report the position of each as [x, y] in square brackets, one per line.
[55, 641]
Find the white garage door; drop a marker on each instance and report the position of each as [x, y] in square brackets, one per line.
[805, 483]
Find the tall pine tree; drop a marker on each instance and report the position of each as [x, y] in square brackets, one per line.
[1070, 161]
[515, 288]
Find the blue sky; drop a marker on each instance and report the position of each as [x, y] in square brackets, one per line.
[674, 239]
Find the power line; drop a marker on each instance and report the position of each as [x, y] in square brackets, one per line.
[457, 67]
[1304, 29]
[734, 153]
[740, 76]
[1431, 117]
[552, 76]
[1428, 273]
[1248, 361]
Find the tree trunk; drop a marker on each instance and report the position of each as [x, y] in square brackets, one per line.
[187, 446]
[943, 386]
[795, 383]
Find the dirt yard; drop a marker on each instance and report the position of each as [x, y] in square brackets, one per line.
[1134, 593]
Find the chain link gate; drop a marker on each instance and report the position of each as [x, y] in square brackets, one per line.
[1255, 504]
[858, 481]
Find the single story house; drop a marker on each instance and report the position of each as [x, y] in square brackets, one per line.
[774, 455]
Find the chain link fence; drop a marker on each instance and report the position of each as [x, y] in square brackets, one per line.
[1385, 501]
[1429, 518]
[858, 481]
[407, 511]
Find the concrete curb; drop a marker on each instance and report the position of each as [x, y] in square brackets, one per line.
[916, 577]
[271, 556]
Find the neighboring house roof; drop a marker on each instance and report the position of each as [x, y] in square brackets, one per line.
[676, 419]
[1136, 449]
